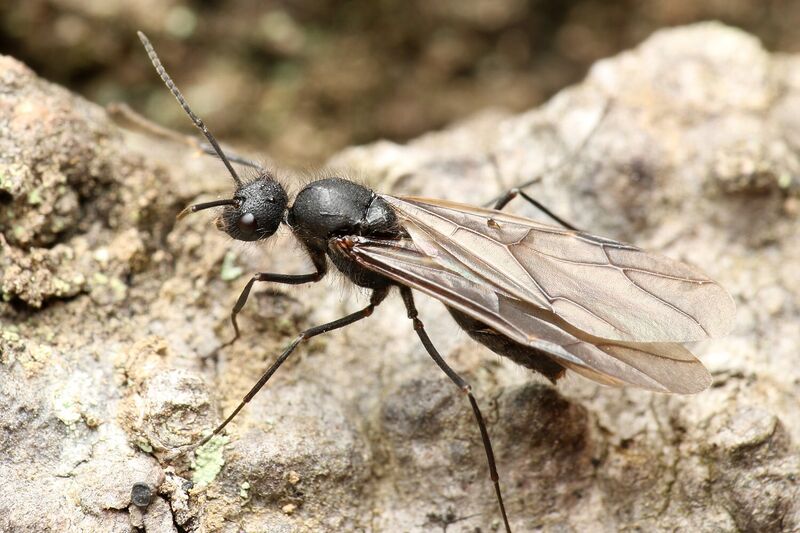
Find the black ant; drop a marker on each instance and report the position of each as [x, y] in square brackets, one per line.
[548, 298]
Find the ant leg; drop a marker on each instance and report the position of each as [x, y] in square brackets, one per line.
[517, 191]
[285, 279]
[377, 297]
[408, 300]
[317, 259]
[510, 194]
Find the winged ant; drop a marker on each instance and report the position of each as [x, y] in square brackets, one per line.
[549, 298]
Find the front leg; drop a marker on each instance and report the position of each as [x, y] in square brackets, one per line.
[286, 279]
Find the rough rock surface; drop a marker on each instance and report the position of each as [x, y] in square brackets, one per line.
[112, 316]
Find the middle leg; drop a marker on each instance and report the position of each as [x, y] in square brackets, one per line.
[377, 297]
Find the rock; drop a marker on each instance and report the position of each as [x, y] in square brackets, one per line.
[113, 316]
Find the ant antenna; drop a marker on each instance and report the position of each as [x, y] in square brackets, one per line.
[207, 205]
[185, 105]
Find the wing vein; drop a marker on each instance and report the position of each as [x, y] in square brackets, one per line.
[641, 348]
[604, 288]
[484, 263]
[541, 289]
[613, 265]
[660, 299]
[576, 304]
[646, 365]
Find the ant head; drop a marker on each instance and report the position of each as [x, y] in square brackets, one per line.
[257, 207]
[257, 210]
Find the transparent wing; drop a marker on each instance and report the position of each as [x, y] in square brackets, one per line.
[602, 287]
[661, 367]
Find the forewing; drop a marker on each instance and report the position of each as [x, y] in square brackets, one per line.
[654, 366]
[603, 287]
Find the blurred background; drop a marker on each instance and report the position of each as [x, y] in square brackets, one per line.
[300, 79]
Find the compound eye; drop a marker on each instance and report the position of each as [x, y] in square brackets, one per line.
[247, 224]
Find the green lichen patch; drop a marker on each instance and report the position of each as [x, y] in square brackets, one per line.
[35, 197]
[208, 460]
[230, 270]
[144, 445]
[244, 490]
[10, 344]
